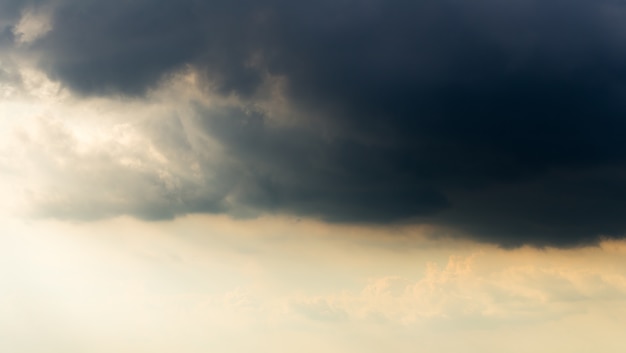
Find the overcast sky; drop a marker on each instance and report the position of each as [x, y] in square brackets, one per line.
[342, 176]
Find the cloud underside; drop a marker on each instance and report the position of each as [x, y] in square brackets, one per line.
[504, 121]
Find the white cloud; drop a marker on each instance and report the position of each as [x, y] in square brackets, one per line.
[34, 24]
[459, 291]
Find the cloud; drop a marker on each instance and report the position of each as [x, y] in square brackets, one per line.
[110, 47]
[503, 121]
[33, 24]
[319, 309]
[122, 174]
[10, 80]
[464, 293]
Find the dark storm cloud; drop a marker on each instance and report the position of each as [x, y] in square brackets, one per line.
[505, 119]
[125, 47]
[292, 169]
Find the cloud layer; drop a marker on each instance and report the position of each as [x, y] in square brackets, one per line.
[501, 120]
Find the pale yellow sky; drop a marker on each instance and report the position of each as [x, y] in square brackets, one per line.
[276, 285]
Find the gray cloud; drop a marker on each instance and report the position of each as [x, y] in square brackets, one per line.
[120, 47]
[504, 120]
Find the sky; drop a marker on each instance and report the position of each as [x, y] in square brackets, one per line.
[340, 176]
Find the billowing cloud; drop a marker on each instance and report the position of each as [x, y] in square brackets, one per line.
[509, 296]
[501, 120]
